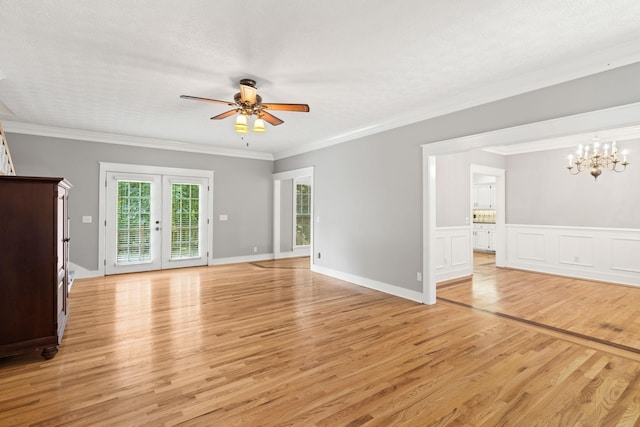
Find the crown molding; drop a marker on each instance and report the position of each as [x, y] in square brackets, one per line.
[605, 136]
[568, 70]
[137, 141]
[624, 119]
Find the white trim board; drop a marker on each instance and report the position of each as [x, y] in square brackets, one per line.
[135, 141]
[499, 234]
[300, 251]
[428, 227]
[369, 283]
[241, 259]
[594, 121]
[278, 177]
[83, 273]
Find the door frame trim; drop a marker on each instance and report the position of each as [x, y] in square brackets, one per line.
[500, 208]
[278, 177]
[152, 170]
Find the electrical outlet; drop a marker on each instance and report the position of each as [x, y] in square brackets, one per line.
[419, 276]
[319, 255]
[255, 249]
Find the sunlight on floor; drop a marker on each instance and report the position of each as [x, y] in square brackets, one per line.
[484, 288]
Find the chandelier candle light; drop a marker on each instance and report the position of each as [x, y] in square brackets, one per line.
[597, 159]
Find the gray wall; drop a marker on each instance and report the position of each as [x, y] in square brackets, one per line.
[368, 203]
[369, 191]
[242, 189]
[286, 215]
[540, 191]
[453, 184]
[452, 189]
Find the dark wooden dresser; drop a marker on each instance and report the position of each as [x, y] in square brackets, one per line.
[34, 247]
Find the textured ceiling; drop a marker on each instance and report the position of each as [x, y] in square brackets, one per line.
[119, 66]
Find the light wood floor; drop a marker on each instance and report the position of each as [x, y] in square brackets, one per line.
[604, 313]
[274, 344]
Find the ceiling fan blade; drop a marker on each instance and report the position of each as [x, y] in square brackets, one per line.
[215, 101]
[287, 107]
[224, 115]
[248, 94]
[271, 119]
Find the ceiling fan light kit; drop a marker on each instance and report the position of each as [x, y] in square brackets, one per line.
[258, 125]
[241, 124]
[247, 103]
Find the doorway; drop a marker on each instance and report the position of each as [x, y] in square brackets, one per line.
[488, 239]
[154, 219]
[293, 223]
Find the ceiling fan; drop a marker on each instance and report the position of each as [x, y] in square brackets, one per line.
[247, 103]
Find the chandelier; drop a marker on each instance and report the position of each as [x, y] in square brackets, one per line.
[597, 159]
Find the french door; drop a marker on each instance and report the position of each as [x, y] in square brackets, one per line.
[155, 222]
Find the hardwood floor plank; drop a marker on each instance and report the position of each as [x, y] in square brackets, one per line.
[604, 312]
[275, 344]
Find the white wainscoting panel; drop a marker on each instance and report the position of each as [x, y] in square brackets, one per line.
[605, 254]
[453, 257]
[575, 250]
[530, 246]
[460, 250]
[625, 254]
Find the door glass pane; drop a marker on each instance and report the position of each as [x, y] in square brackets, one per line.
[185, 221]
[303, 215]
[134, 222]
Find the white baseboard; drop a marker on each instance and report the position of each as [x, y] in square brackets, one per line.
[240, 259]
[599, 276]
[453, 274]
[83, 273]
[369, 283]
[299, 252]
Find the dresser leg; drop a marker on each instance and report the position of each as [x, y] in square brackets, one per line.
[49, 352]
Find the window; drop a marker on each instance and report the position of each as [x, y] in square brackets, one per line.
[134, 222]
[185, 221]
[303, 214]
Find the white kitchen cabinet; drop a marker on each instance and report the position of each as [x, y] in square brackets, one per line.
[484, 196]
[483, 237]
